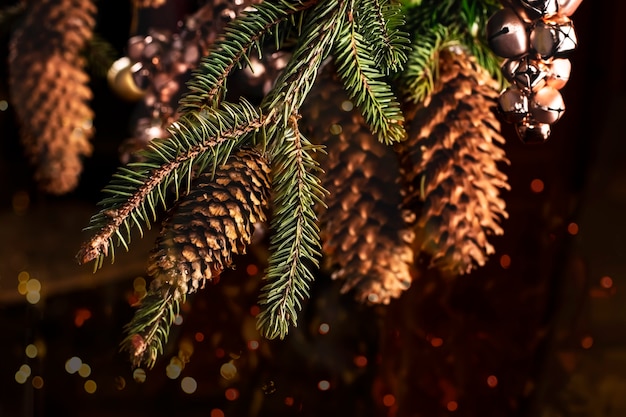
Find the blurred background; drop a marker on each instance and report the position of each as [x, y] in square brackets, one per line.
[538, 331]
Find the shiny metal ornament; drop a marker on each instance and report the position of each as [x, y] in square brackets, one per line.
[536, 9]
[532, 132]
[568, 7]
[513, 105]
[550, 40]
[529, 75]
[558, 73]
[546, 105]
[122, 82]
[506, 34]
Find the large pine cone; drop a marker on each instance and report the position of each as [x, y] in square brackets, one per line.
[211, 224]
[450, 166]
[49, 89]
[365, 240]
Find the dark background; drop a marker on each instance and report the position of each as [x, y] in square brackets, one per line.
[548, 327]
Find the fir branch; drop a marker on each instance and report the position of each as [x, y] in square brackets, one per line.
[148, 331]
[203, 138]
[422, 70]
[365, 84]
[380, 21]
[315, 42]
[100, 55]
[295, 244]
[246, 32]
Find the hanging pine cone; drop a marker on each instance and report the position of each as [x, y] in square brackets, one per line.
[49, 89]
[450, 166]
[365, 240]
[211, 224]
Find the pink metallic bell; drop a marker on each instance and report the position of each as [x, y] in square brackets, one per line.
[550, 40]
[506, 34]
[558, 72]
[532, 132]
[546, 105]
[568, 7]
[513, 105]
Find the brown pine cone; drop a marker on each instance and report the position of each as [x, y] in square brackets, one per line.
[450, 165]
[49, 89]
[211, 224]
[365, 240]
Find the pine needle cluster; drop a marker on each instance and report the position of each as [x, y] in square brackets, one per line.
[385, 53]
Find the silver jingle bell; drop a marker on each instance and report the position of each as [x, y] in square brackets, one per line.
[529, 75]
[550, 40]
[546, 105]
[532, 132]
[513, 105]
[568, 7]
[558, 72]
[506, 34]
[536, 9]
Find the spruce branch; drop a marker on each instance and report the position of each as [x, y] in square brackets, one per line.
[380, 21]
[417, 81]
[149, 328]
[240, 37]
[203, 138]
[365, 84]
[295, 244]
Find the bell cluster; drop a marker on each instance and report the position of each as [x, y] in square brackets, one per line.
[535, 37]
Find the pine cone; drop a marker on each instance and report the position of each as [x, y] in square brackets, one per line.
[49, 89]
[211, 224]
[450, 166]
[365, 239]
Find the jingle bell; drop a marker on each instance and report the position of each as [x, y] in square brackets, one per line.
[558, 72]
[550, 40]
[568, 7]
[529, 75]
[532, 132]
[506, 34]
[546, 105]
[513, 105]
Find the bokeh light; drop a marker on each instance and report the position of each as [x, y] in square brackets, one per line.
[606, 282]
[324, 328]
[537, 185]
[505, 261]
[37, 382]
[188, 385]
[389, 400]
[216, 412]
[231, 394]
[253, 344]
[73, 364]
[228, 370]
[139, 375]
[360, 361]
[452, 406]
[31, 351]
[492, 381]
[323, 385]
[587, 342]
[436, 342]
[572, 229]
[90, 386]
[84, 370]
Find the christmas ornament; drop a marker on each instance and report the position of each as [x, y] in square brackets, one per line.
[507, 35]
[121, 80]
[450, 166]
[49, 89]
[539, 71]
[158, 64]
[366, 242]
